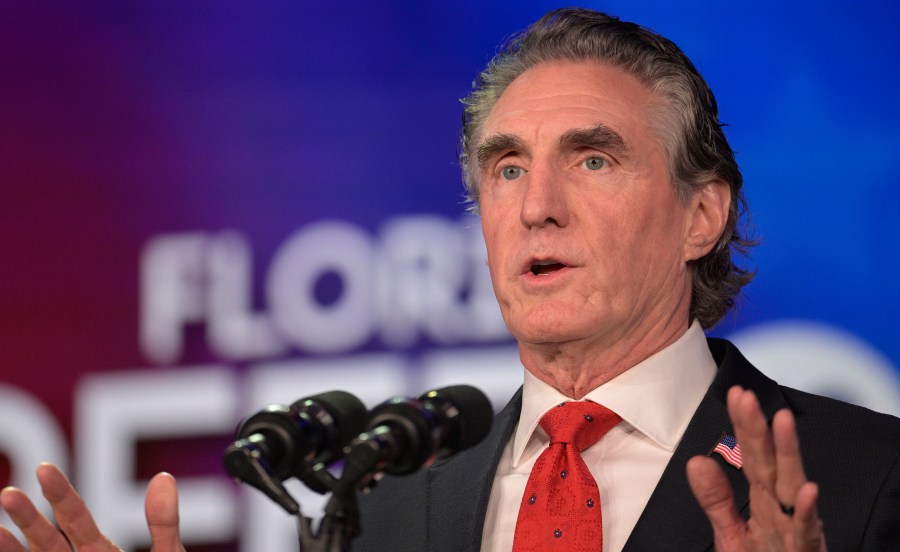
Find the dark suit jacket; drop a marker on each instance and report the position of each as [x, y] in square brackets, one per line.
[852, 453]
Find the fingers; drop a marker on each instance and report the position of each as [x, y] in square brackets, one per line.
[788, 462]
[161, 507]
[771, 457]
[76, 521]
[713, 493]
[8, 542]
[73, 517]
[808, 533]
[773, 465]
[71, 514]
[39, 532]
[753, 435]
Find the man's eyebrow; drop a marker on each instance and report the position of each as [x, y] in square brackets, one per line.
[599, 137]
[495, 144]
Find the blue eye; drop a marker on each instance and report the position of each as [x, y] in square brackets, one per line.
[594, 163]
[511, 172]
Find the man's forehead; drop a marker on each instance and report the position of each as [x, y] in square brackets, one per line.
[565, 104]
[563, 96]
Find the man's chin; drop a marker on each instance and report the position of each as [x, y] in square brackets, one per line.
[546, 334]
[552, 322]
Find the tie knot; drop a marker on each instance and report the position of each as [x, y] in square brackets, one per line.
[581, 423]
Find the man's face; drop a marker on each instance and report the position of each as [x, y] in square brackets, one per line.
[584, 233]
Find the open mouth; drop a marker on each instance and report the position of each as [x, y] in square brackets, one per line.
[542, 268]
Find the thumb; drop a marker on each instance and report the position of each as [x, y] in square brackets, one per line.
[713, 493]
[161, 508]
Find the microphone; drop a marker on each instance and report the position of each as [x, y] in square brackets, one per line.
[404, 434]
[280, 442]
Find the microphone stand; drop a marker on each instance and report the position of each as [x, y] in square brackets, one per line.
[364, 458]
[337, 529]
[340, 524]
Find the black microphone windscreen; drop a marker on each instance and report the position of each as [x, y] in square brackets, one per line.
[475, 412]
[348, 412]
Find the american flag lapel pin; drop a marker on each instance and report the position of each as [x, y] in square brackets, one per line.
[728, 448]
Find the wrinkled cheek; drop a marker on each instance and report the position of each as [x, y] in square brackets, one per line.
[508, 298]
[497, 262]
[520, 320]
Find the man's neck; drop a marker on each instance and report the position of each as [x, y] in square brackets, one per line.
[576, 367]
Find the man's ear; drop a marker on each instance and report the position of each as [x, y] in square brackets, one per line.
[707, 216]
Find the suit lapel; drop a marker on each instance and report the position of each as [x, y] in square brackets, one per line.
[672, 519]
[457, 490]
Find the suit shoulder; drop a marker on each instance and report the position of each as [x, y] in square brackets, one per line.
[735, 369]
[827, 427]
[847, 433]
[849, 420]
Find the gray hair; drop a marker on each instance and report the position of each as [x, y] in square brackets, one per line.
[686, 122]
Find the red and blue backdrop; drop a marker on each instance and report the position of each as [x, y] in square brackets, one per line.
[207, 207]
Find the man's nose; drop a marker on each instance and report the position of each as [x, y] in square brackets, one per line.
[544, 202]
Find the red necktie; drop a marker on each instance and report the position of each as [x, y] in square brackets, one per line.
[560, 509]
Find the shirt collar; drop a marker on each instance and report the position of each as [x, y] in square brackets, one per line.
[658, 396]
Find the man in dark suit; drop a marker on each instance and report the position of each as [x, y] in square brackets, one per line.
[851, 452]
[609, 200]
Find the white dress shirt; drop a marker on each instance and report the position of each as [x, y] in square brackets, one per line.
[656, 399]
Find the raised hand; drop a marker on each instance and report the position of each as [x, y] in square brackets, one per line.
[783, 514]
[76, 524]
